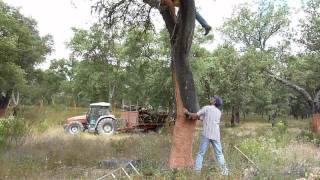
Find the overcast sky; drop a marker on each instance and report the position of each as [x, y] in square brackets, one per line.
[56, 17]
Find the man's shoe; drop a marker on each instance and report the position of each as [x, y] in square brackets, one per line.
[207, 30]
[225, 172]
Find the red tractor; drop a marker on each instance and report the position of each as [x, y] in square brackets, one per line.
[97, 120]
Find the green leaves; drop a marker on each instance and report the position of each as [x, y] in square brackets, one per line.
[21, 47]
[11, 76]
[253, 28]
[311, 26]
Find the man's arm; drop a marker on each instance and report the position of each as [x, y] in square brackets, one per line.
[190, 115]
[195, 116]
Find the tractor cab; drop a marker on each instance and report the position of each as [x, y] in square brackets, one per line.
[96, 111]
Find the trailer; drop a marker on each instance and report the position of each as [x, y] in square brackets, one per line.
[142, 120]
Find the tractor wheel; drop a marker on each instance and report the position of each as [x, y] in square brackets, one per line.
[75, 128]
[106, 127]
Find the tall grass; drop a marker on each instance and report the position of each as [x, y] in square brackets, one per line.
[49, 153]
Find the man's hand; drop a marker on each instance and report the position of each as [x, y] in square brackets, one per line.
[189, 115]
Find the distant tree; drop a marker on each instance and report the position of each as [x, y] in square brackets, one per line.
[252, 28]
[255, 27]
[93, 45]
[311, 26]
[21, 48]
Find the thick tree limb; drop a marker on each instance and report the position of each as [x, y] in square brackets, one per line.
[168, 20]
[295, 87]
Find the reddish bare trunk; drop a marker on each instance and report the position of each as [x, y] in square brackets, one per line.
[182, 139]
[2, 112]
[316, 123]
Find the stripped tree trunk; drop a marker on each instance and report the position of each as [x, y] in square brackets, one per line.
[181, 36]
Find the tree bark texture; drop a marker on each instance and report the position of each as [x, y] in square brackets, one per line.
[181, 36]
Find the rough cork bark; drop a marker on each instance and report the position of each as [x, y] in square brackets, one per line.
[181, 36]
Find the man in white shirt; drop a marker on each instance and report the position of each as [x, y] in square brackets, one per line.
[210, 115]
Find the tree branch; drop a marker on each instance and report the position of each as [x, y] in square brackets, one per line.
[295, 87]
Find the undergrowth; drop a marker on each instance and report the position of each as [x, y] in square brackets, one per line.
[46, 152]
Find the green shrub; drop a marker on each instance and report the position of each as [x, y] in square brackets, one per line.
[309, 136]
[43, 126]
[282, 127]
[12, 131]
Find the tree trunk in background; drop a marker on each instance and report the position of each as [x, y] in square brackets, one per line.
[235, 115]
[4, 101]
[74, 103]
[316, 113]
[181, 36]
[2, 112]
[232, 117]
[207, 88]
[316, 123]
[15, 101]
